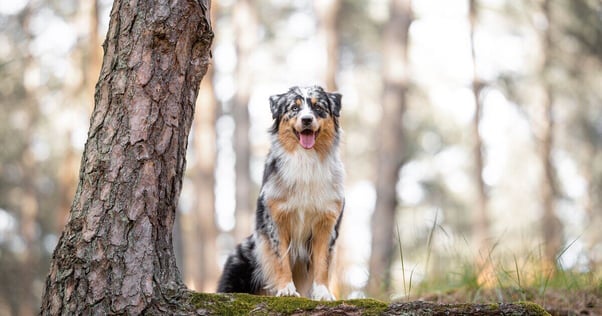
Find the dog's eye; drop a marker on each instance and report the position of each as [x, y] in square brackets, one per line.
[295, 108]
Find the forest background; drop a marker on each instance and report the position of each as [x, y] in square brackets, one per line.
[472, 143]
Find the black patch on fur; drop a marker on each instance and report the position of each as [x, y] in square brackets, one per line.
[271, 167]
[239, 269]
[264, 224]
[335, 235]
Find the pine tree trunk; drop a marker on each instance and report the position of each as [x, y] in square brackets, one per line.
[391, 147]
[116, 254]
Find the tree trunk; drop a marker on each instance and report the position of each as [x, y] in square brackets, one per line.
[328, 13]
[391, 147]
[116, 254]
[246, 36]
[480, 220]
[29, 200]
[205, 150]
[551, 226]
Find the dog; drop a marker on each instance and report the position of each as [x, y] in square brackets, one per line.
[300, 204]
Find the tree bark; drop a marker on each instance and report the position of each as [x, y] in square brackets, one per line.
[391, 147]
[115, 254]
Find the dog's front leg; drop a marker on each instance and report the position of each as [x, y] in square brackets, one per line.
[321, 256]
[278, 259]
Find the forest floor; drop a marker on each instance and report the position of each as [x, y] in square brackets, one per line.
[554, 301]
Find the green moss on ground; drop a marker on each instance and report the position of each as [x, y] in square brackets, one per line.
[245, 304]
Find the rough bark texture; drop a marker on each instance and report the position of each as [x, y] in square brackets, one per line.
[391, 147]
[244, 304]
[115, 254]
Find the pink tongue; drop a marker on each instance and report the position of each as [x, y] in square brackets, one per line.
[307, 140]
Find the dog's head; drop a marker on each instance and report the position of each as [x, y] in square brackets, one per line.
[307, 116]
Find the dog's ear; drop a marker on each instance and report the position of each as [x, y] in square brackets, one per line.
[275, 102]
[335, 103]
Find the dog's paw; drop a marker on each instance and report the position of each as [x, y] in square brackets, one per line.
[288, 290]
[320, 292]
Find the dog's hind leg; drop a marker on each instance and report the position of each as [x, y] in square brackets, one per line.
[239, 269]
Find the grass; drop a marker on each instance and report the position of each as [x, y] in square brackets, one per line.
[502, 278]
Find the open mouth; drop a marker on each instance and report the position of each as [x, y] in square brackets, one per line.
[307, 138]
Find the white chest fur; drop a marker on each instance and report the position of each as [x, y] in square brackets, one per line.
[308, 184]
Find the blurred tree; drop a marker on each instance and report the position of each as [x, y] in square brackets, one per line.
[203, 265]
[116, 253]
[579, 23]
[551, 226]
[245, 19]
[391, 144]
[29, 196]
[480, 220]
[328, 17]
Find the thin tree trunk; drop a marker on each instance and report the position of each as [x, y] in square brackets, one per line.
[116, 252]
[206, 152]
[29, 206]
[90, 59]
[328, 13]
[246, 37]
[551, 226]
[198, 224]
[480, 220]
[391, 146]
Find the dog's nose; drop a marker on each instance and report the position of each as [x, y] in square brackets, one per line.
[306, 120]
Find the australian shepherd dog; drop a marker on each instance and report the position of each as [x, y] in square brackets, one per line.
[300, 203]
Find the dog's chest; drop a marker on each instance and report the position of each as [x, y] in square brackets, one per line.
[308, 183]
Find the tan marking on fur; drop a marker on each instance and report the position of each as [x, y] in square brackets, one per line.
[281, 264]
[298, 102]
[291, 232]
[325, 139]
[314, 101]
[286, 135]
[321, 234]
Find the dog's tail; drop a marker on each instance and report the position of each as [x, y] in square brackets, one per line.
[239, 270]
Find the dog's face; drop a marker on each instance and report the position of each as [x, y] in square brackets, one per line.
[306, 116]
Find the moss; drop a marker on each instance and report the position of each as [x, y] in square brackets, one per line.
[533, 308]
[369, 306]
[245, 304]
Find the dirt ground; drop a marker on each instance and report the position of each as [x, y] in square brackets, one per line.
[556, 302]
